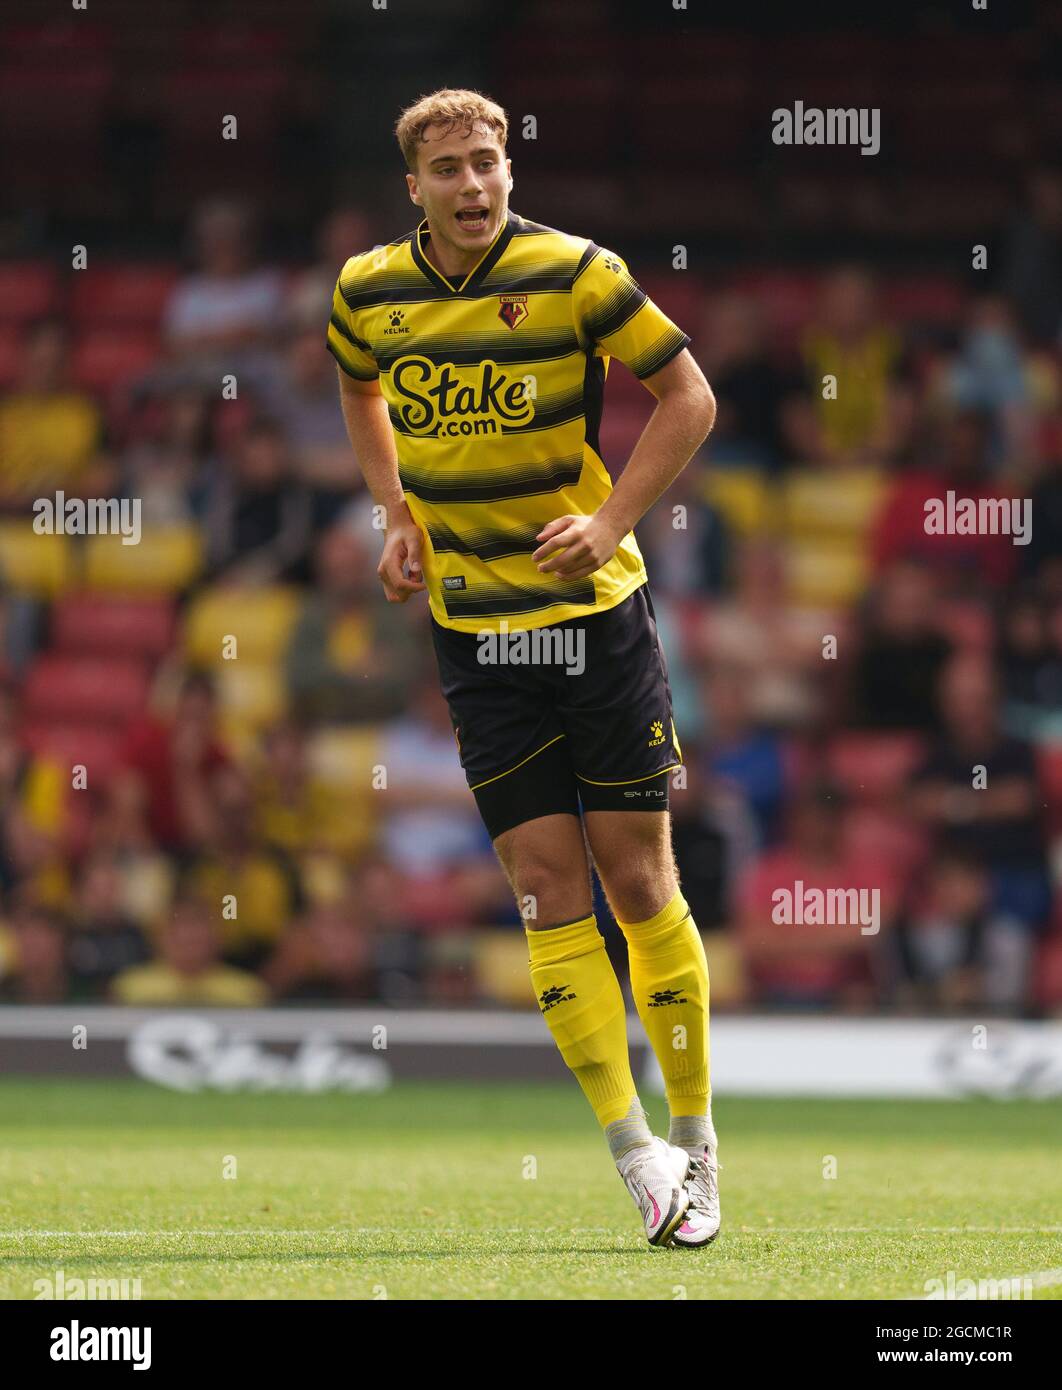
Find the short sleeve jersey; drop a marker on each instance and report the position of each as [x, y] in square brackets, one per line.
[494, 385]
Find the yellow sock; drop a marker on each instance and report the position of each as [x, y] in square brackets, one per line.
[581, 1000]
[669, 980]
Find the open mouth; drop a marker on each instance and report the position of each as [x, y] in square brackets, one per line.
[473, 219]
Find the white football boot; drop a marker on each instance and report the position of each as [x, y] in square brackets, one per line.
[703, 1218]
[654, 1175]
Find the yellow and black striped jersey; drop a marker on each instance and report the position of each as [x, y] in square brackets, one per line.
[494, 385]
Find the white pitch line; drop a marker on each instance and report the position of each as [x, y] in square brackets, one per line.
[349, 1231]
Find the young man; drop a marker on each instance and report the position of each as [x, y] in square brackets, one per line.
[472, 356]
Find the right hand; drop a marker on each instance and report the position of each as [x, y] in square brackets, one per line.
[402, 547]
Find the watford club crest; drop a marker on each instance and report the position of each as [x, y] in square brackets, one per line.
[513, 309]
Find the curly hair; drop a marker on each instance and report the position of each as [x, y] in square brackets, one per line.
[453, 108]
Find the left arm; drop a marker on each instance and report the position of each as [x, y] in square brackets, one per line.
[575, 546]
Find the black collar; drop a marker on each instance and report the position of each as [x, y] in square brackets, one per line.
[475, 277]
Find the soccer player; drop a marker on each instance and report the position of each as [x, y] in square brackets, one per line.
[472, 355]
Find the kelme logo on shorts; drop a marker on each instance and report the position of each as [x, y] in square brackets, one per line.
[450, 402]
[656, 733]
[553, 996]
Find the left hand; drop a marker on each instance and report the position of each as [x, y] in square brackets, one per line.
[578, 545]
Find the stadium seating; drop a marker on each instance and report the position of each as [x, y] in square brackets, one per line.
[165, 562]
[85, 688]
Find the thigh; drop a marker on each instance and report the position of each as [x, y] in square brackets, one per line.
[617, 712]
[510, 740]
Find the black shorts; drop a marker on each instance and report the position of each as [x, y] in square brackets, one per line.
[536, 741]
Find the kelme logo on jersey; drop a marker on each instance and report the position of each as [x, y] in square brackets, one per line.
[449, 401]
[656, 733]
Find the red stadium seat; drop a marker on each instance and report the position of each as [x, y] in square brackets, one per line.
[122, 294]
[79, 688]
[28, 289]
[98, 749]
[1049, 767]
[105, 358]
[118, 626]
[874, 766]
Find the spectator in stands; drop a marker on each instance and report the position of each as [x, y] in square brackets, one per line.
[429, 826]
[350, 658]
[345, 232]
[187, 970]
[1032, 274]
[1041, 559]
[952, 456]
[38, 971]
[256, 887]
[776, 642]
[901, 653]
[977, 792]
[224, 313]
[258, 517]
[685, 539]
[741, 753]
[869, 417]
[950, 950]
[104, 940]
[171, 466]
[714, 839]
[1030, 664]
[303, 397]
[749, 387]
[989, 374]
[161, 793]
[298, 811]
[50, 433]
[811, 965]
[328, 955]
[32, 812]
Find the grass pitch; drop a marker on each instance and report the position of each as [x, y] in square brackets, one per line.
[507, 1192]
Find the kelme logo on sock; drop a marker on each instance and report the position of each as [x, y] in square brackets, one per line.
[552, 996]
[666, 996]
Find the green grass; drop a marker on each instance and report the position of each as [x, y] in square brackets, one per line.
[421, 1193]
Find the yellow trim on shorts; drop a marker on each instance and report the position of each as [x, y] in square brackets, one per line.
[519, 764]
[627, 781]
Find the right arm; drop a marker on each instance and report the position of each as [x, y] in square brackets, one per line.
[371, 438]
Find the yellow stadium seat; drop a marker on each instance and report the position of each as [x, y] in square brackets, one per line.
[825, 573]
[40, 566]
[500, 964]
[252, 695]
[743, 497]
[726, 970]
[260, 619]
[166, 561]
[820, 505]
[346, 758]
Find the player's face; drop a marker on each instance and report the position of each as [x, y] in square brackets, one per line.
[462, 183]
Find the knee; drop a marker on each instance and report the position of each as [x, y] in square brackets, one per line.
[638, 884]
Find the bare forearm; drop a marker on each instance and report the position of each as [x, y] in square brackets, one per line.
[676, 429]
[372, 440]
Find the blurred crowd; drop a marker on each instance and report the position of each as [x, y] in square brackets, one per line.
[228, 775]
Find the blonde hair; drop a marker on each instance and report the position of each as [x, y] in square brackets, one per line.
[451, 107]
